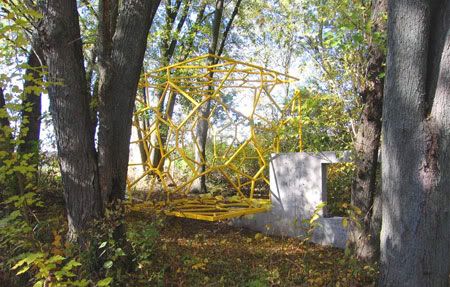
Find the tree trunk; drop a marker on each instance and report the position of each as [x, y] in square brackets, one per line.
[31, 114]
[201, 131]
[5, 140]
[415, 244]
[124, 41]
[168, 115]
[364, 237]
[69, 107]
[117, 92]
[5, 135]
[156, 156]
[157, 159]
[199, 184]
[168, 46]
[92, 181]
[92, 87]
[156, 148]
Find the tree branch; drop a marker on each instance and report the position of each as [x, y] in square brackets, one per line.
[90, 8]
[228, 27]
[216, 26]
[170, 51]
[195, 28]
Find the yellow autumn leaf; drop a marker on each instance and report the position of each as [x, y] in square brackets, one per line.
[197, 266]
[258, 236]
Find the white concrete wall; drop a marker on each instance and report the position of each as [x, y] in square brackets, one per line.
[298, 186]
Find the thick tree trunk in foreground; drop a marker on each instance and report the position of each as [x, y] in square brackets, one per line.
[364, 238]
[120, 66]
[415, 242]
[69, 107]
[91, 183]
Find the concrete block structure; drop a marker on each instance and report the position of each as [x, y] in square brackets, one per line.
[298, 186]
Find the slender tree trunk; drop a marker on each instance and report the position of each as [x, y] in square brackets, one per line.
[69, 107]
[156, 148]
[415, 242]
[169, 113]
[31, 114]
[5, 139]
[364, 237]
[201, 132]
[168, 47]
[156, 158]
[199, 184]
[92, 83]
[5, 136]
[187, 49]
[141, 144]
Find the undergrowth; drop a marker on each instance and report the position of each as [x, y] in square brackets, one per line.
[165, 251]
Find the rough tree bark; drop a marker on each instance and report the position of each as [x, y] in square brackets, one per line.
[69, 107]
[120, 63]
[415, 244]
[93, 181]
[364, 237]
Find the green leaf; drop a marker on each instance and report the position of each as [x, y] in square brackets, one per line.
[321, 205]
[345, 222]
[108, 264]
[102, 245]
[120, 252]
[55, 259]
[11, 199]
[347, 251]
[104, 282]
[313, 218]
[23, 270]
[30, 258]
[80, 283]
[72, 263]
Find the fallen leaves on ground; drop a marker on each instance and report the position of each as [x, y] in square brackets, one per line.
[199, 253]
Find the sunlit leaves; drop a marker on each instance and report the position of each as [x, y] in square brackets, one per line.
[55, 267]
[104, 282]
[325, 125]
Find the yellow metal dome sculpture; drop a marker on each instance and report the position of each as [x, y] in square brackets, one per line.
[244, 108]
